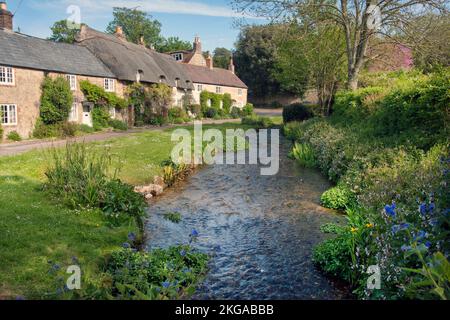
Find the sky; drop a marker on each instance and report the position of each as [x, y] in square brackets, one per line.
[213, 20]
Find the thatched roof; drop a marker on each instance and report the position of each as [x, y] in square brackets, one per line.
[215, 76]
[127, 59]
[23, 51]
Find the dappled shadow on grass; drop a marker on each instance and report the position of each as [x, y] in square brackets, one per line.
[36, 229]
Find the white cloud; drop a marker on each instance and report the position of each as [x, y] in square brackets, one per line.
[160, 6]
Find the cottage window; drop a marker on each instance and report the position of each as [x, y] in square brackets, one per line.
[73, 115]
[72, 81]
[219, 90]
[110, 85]
[8, 114]
[199, 88]
[6, 75]
[112, 113]
[239, 92]
[178, 56]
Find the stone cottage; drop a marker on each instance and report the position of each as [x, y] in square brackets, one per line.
[26, 60]
[206, 77]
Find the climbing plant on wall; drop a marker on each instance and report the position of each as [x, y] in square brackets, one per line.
[56, 100]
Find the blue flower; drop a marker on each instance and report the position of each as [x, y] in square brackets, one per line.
[428, 244]
[423, 209]
[183, 253]
[390, 210]
[56, 267]
[131, 236]
[405, 248]
[420, 235]
[126, 245]
[218, 248]
[166, 284]
[395, 228]
[194, 233]
[404, 226]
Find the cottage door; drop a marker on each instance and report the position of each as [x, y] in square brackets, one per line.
[87, 115]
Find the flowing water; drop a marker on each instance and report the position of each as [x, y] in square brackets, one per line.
[259, 230]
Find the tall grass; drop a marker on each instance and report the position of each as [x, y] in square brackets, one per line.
[304, 154]
[77, 175]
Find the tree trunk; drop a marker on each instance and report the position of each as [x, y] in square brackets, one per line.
[352, 83]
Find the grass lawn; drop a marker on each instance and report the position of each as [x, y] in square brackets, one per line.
[35, 229]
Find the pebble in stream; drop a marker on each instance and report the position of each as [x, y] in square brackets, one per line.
[260, 230]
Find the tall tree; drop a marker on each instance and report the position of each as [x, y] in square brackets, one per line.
[255, 57]
[222, 58]
[360, 20]
[136, 24]
[63, 32]
[174, 44]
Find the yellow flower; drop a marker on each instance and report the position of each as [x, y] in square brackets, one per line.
[369, 225]
[354, 230]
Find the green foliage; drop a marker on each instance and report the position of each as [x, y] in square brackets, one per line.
[227, 103]
[257, 122]
[304, 154]
[293, 131]
[296, 112]
[174, 217]
[221, 58]
[1, 131]
[333, 256]
[80, 178]
[174, 44]
[61, 32]
[136, 24]
[178, 115]
[100, 97]
[56, 100]
[100, 118]
[57, 130]
[210, 113]
[160, 274]
[338, 198]
[14, 136]
[118, 125]
[235, 113]
[248, 110]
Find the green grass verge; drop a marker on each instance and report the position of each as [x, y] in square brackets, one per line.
[35, 229]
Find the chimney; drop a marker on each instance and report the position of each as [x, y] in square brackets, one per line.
[6, 17]
[197, 45]
[119, 32]
[209, 62]
[231, 66]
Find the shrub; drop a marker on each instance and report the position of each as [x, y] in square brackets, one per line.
[338, 198]
[85, 128]
[118, 199]
[100, 118]
[43, 131]
[66, 129]
[235, 113]
[137, 275]
[56, 100]
[296, 112]
[333, 256]
[14, 136]
[211, 113]
[304, 154]
[293, 131]
[248, 110]
[227, 103]
[118, 125]
[1, 131]
[257, 121]
[196, 110]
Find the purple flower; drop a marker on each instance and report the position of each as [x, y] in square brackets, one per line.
[126, 245]
[405, 248]
[131, 236]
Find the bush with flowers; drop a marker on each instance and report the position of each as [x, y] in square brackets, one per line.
[393, 158]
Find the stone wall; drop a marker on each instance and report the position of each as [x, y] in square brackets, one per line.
[26, 95]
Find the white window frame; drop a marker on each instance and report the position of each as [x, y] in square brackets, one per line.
[178, 56]
[219, 90]
[240, 92]
[109, 85]
[10, 108]
[73, 115]
[199, 87]
[7, 76]
[72, 81]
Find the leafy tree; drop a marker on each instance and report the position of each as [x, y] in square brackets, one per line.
[174, 44]
[62, 32]
[222, 58]
[136, 24]
[360, 20]
[255, 59]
